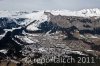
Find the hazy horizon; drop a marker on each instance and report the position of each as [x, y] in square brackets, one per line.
[29, 5]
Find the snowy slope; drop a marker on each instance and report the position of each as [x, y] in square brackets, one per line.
[81, 13]
[40, 17]
[36, 15]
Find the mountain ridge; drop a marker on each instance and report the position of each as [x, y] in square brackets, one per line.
[83, 12]
[43, 34]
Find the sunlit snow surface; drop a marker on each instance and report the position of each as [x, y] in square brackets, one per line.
[40, 16]
[81, 13]
[3, 51]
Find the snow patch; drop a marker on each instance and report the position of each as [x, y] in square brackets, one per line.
[89, 50]
[3, 51]
[28, 40]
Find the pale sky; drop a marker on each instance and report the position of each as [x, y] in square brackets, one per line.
[30, 5]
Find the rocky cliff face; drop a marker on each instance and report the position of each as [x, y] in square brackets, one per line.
[28, 37]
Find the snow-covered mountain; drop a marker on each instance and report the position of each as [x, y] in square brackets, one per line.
[81, 13]
[25, 18]
[25, 36]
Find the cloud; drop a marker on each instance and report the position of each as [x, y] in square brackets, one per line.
[1, 0]
[48, 4]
